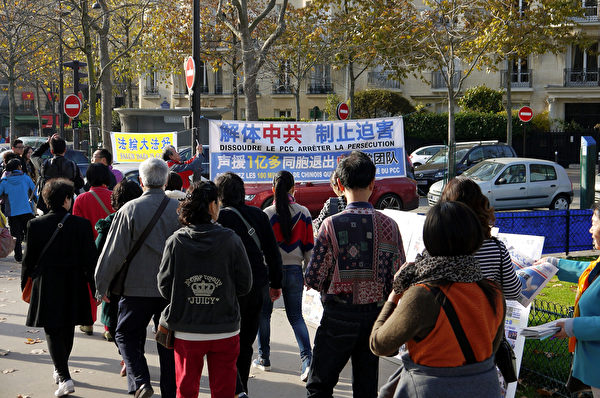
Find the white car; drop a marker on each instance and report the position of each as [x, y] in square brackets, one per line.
[517, 183]
[421, 155]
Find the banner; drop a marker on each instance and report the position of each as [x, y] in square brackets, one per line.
[137, 147]
[309, 150]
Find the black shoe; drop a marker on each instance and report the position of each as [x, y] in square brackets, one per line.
[145, 391]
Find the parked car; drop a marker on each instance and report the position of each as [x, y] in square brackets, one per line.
[422, 155]
[389, 193]
[517, 183]
[467, 155]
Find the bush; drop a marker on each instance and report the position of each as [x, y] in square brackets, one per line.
[380, 103]
[481, 99]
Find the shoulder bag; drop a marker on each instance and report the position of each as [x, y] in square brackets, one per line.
[26, 295]
[100, 202]
[505, 357]
[117, 285]
[165, 337]
[251, 230]
[7, 242]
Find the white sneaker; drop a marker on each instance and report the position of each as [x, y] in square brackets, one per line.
[55, 376]
[64, 388]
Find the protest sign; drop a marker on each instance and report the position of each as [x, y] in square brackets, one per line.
[256, 151]
[137, 147]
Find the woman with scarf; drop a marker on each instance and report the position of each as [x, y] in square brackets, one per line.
[583, 330]
[450, 318]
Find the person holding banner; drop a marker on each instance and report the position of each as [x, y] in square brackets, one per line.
[583, 330]
[184, 169]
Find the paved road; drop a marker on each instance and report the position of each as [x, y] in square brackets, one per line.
[95, 366]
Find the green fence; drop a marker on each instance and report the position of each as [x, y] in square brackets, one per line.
[546, 363]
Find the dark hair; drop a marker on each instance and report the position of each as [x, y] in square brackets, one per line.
[193, 210]
[465, 190]
[231, 190]
[98, 174]
[8, 155]
[356, 170]
[174, 182]
[13, 164]
[105, 153]
[283, 182]
[167, 153]
[124, 192]
[25, 151]
[56, 191]
[58, 146]
[16, 142]
[452, 229]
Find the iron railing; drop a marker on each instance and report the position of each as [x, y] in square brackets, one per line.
[581, 77]
[438, 81]
[517, 79]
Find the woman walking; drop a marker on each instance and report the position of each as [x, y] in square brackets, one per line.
[292, 226]
[204, 269]
[61, 269]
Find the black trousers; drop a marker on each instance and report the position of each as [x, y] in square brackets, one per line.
[18, 227]
[250, 307]
[60, 344]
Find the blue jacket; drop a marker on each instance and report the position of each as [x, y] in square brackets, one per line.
[586, 327]
[17, 186]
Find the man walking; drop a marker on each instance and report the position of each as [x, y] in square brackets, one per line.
[353, 263]
[141, 300]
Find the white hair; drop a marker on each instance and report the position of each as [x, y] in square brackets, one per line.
[154, 172]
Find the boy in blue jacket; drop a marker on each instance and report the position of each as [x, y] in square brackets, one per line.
[15, 187]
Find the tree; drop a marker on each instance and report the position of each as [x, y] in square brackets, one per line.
[380, 103]
[481, 99]
[253, 52]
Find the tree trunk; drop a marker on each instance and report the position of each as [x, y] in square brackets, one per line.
[451, 132]
[352, 87]
[38, 110]
[297, 100]
[91, 70]
[12, 106]
[250, 87]
[508, 108]
[106, 90]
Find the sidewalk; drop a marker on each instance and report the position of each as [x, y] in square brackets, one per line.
[94, 363]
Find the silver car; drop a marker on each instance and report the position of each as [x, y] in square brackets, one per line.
[517, 183]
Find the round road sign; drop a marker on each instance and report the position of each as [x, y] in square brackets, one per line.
[343, 111]
[190, 72]
[525, 114]
[72, 106]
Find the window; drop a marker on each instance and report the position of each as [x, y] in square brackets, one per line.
[491, 151]
[475, 156]
[219, 81]
[542, 172]
[585, 58]
[151, 83]
[514, 174]
[320, 80]
[519, 72]
[508, 153]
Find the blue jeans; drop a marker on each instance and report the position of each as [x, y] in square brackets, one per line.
[292, 286]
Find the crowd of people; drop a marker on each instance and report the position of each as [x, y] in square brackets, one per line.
[190, 257]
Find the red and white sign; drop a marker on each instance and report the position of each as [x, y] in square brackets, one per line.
[525, 114]
[343, 111]
[72, 106]
[190, 72]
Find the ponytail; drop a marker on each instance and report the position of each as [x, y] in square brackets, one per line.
[283, 182]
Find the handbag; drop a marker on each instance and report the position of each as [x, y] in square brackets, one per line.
[7, 242]
[26, 294]
[117, 285]
[165, 337]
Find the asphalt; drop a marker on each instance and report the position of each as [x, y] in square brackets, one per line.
[26, 369]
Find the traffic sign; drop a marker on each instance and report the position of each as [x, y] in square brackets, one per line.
[342, 111]
[72, 106]
[190, 72]
[525, 114]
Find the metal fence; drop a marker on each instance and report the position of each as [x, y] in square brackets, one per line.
[546, 363]
[565, 230]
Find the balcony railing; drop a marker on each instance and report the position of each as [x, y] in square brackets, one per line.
[581, 77]
[517, 79]
[382, 80]
[320, 88]
[151, 90]
[218, 89]
[281, 89]
[438, 82]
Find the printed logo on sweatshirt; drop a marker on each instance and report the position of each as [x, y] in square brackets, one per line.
[203, 287]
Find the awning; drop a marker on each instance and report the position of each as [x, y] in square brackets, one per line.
[27, 96]
[29, 119]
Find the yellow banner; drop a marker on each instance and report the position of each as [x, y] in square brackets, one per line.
[137, 147]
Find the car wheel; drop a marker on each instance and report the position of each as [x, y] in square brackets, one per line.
[389, 201]
[267, 203]
[561, 202]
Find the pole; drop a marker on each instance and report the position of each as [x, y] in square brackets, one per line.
[61, 93]
[196, 107]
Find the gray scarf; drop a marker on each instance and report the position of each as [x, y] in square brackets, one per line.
[428, 269]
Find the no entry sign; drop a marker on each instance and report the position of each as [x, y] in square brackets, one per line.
[190, 72]
[525, 114]
[343, 111]
[72, 106]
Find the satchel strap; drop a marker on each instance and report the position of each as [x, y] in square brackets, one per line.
[61, 223]
[146, 232]
[463, 341]
[95, 195]
[251, 230]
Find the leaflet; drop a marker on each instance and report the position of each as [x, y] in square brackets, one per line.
[540, 331]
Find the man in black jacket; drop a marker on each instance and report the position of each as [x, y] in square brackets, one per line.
[56, 167]
[231, 194]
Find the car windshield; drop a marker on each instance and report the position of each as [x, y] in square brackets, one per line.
[440, 157]
[484, 171]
